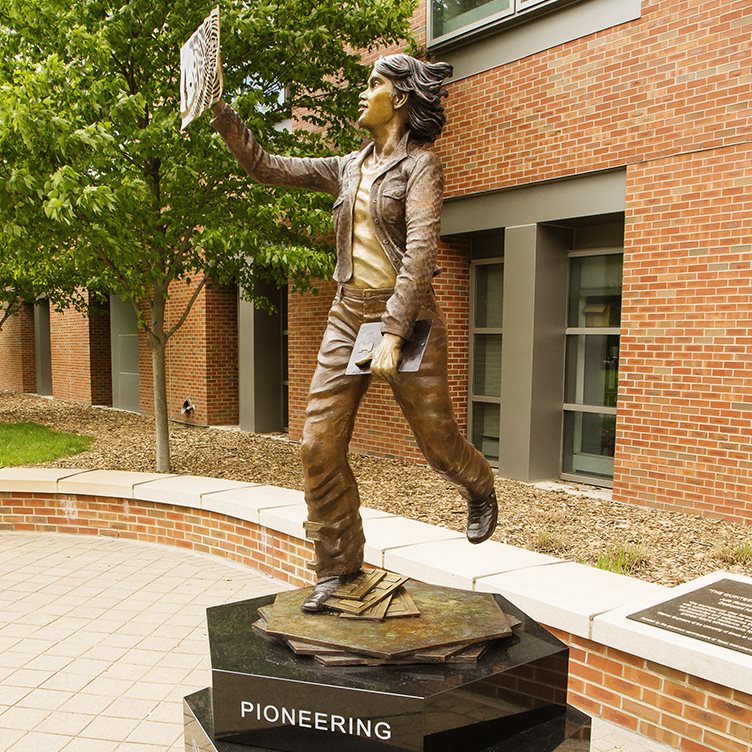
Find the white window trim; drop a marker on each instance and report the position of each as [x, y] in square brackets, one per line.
[577, 407]
[608, 251]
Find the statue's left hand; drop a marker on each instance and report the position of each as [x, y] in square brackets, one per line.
[386, 357]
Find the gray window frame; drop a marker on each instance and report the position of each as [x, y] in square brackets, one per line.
[575, 407]
[516, 11]
[473, 331]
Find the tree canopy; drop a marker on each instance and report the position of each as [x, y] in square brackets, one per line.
[99, 188]
[89, 133]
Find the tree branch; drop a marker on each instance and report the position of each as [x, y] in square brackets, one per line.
[180, 252]
[10, 309]
[112, 266]
[187, 309]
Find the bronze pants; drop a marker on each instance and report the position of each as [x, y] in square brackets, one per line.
[331, 491]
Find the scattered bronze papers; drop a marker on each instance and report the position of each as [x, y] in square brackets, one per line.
[382, 618]
[371, 596]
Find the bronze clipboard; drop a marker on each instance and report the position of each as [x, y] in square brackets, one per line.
[369, 337]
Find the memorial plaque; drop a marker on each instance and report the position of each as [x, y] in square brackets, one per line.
[719, 613]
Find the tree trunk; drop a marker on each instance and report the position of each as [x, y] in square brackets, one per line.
[161, 420]
[158, 345]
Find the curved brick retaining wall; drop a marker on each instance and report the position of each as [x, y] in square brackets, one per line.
[648, 690]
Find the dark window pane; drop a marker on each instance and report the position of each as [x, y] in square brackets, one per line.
[486, 429]
[489, 286]
[589, 440]
[487, 371]
[592, 369]
[595, 291]
[452, 15]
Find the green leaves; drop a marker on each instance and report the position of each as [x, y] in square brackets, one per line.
[95, 173]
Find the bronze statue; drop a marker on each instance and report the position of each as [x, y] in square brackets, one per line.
[386, 219]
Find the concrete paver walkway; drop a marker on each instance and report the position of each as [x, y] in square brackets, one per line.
[101, 638]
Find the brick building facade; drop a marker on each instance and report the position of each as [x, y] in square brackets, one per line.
[18, 353]
[597, 257]
[585, 135]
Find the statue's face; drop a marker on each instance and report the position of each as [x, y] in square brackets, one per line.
[378, 107]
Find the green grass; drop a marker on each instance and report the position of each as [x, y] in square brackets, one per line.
[30, 443]
[622, 558]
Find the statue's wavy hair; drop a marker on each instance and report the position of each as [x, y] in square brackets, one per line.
[423, 84]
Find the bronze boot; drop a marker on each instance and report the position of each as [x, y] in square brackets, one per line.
[317, 598]
[481, 518]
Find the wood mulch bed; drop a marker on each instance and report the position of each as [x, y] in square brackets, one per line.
[672, 547]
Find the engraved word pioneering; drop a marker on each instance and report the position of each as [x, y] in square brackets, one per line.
[311, 719]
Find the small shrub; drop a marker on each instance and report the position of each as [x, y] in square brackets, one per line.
[548, 543]
[622, 558]
[735, 554]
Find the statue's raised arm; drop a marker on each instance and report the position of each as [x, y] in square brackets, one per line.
[295, 172]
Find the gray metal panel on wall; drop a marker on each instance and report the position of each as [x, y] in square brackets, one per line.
[535, 262]
[532, 35]
[259, 366]
[583, 196]
[547, 387]
[42, 347]
[126, 379]
[517, 351]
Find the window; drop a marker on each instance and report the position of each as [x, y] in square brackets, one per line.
[451, 18]
[487, 281]
[592, 364]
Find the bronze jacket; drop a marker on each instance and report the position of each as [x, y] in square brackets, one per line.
[406, 199]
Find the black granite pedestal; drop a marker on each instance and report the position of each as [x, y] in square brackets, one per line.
[555, 735]
[264, 697]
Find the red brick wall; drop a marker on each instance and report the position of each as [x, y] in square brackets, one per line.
[17, 352]
[685, 407]
[272, 552]
[672, 707]
[222, 355]
[100, 356]
[202, 356]
[674, 81]
[69, 347]
[80, 350]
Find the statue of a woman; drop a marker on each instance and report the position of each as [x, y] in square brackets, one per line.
[386, 219]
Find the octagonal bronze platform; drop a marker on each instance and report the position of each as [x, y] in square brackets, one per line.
[447, 617]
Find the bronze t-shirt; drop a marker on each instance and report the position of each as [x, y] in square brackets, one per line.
[371, 266]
